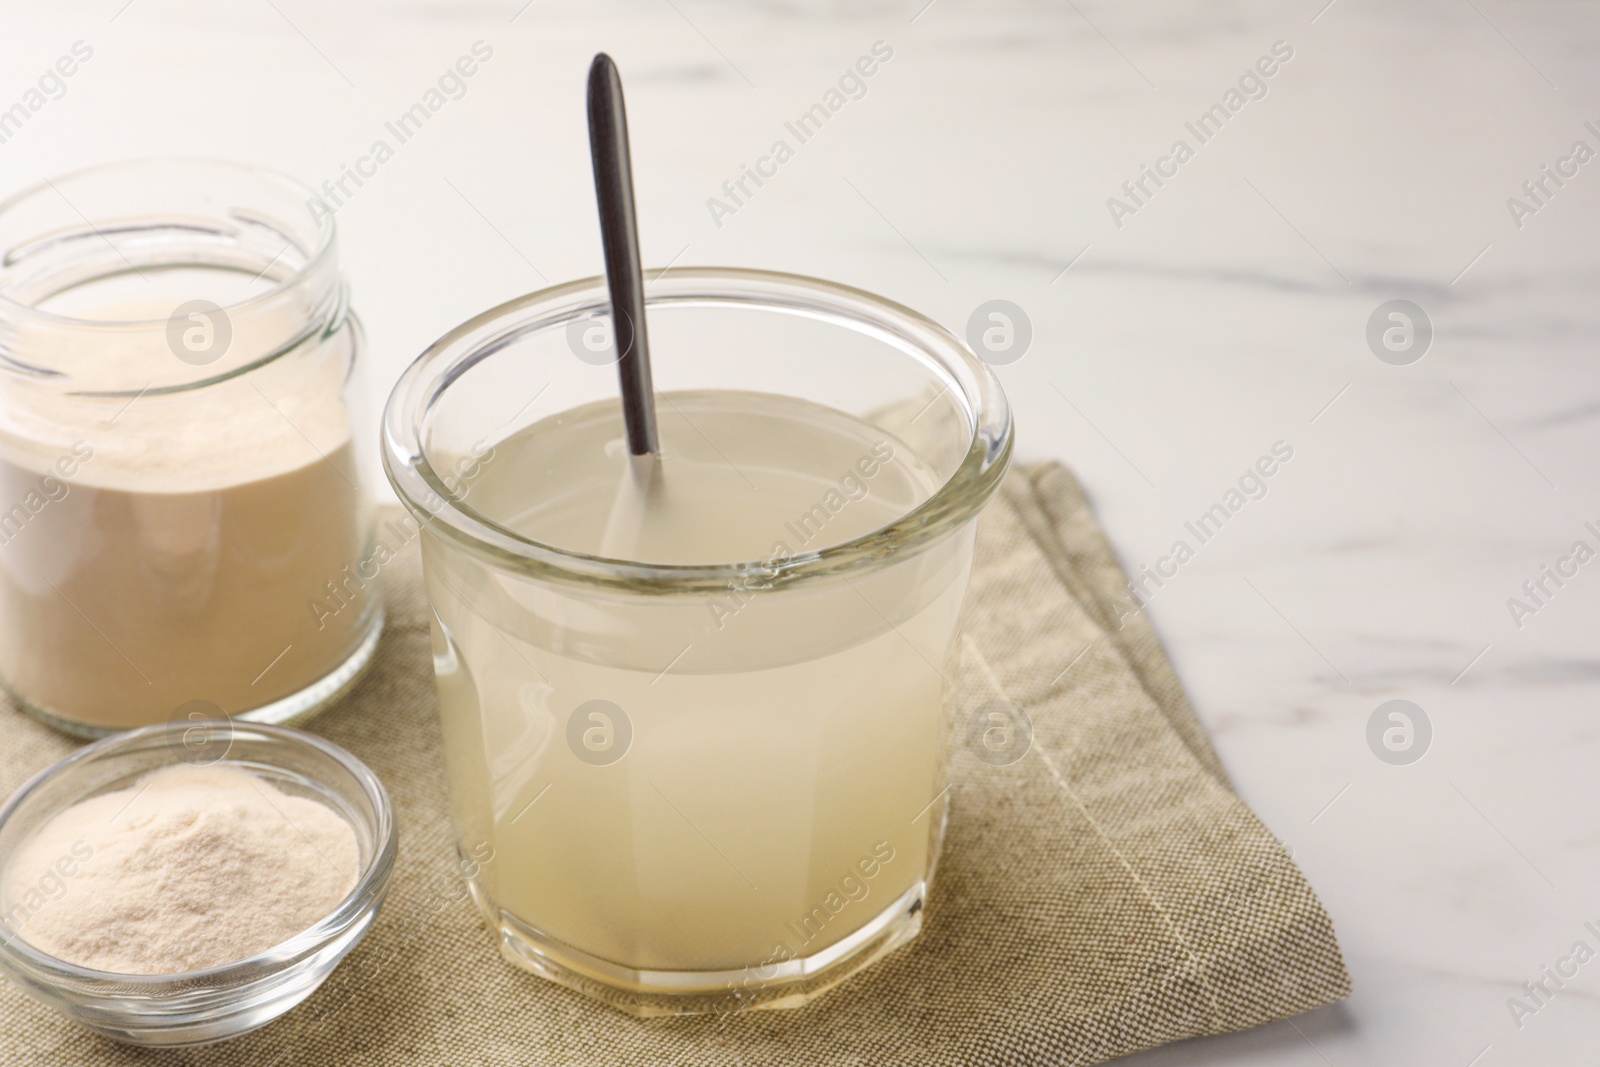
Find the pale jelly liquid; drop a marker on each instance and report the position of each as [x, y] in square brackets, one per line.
[778, 791]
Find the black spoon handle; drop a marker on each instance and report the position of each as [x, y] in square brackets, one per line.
[619, 230]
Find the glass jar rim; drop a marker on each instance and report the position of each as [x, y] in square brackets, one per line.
[956, 501]
[315, 257]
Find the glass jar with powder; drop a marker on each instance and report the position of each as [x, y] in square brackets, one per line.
[183, 524]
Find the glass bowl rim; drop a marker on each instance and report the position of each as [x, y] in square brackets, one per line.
[951, 505]
[367, 893]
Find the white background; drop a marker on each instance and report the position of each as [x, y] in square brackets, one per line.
[1222, 317]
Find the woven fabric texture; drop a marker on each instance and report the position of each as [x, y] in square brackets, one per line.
[1107, 893]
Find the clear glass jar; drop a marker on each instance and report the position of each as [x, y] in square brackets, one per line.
[705, 786]
[184, 531]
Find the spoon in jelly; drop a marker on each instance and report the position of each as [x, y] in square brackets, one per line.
[619, 230]
[639, 491]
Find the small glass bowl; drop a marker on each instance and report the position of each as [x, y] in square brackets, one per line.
[222, 1002]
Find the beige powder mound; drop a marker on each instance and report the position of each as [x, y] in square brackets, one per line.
[192, 867]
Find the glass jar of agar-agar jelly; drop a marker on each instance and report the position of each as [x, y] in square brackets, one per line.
[184, 530]
[695, 708]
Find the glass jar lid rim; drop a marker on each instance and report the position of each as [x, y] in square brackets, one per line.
[315, 258]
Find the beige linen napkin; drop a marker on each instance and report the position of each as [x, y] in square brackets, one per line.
[1106, 893]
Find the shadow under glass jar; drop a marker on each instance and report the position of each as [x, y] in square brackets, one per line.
[696, 740]
[184, 531]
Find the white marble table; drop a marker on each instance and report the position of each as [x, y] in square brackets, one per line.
[1225, 313]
